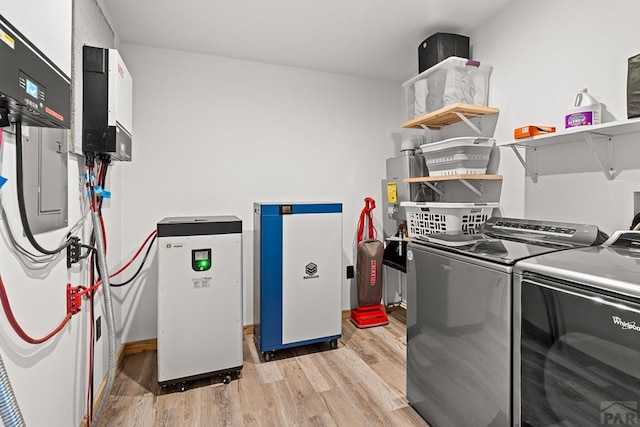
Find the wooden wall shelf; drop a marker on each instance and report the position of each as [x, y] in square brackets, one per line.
[448, 115]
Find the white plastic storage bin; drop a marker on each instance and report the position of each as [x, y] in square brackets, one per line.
[454, 80]
[428, 218]
[466, 155]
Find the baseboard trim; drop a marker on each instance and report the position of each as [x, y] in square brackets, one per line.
[136, 347]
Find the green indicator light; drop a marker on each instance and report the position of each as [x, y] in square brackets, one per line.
[204, 263]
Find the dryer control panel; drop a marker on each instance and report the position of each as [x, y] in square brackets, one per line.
[546, 231]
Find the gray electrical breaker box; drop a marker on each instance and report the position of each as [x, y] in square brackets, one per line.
[45, 178]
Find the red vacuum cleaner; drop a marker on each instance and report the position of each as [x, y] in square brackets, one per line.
[369, 277]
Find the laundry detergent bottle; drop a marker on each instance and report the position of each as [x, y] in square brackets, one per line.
[586, 110]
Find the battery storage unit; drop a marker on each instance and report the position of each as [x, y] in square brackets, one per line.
[199, 298]
[297, 275]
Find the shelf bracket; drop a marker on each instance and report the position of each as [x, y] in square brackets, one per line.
[471, 187]
[434, 188]
[468, 122]
[531, 172]
[605, 162]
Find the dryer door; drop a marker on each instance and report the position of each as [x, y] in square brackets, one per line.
[578, 362]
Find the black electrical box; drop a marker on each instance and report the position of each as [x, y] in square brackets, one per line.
[33, 89]
[439, 47]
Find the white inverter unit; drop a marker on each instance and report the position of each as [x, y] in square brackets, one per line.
[199, 298]
[297, 275]
[107, 104]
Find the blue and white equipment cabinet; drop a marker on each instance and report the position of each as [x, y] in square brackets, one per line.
[297, 275]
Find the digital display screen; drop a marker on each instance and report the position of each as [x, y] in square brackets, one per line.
[201, 259]
[32, 89]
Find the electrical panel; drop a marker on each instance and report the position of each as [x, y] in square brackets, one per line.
[107, 116]
[33, 89]
[45, 178]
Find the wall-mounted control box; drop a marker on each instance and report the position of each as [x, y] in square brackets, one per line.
[33, 89]
[107, 116]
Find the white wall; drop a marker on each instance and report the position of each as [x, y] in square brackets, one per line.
[543, 53]
[50, 380]
[49, 28]
[213, 135]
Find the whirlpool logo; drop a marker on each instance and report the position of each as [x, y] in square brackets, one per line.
[311, 271]
[624, 324]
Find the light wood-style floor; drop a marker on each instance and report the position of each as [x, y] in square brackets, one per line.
[362, 383]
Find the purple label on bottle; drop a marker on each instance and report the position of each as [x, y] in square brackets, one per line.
[578, 119]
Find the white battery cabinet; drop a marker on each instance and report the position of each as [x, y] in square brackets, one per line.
[297, 275]
[199, 298]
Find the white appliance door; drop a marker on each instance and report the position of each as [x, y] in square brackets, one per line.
[311, 279]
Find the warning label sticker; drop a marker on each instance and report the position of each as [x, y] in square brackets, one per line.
[7, 39]
[392, 192]
[53, 113]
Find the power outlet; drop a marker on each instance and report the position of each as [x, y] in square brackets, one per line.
[98, 333]
[350, 272]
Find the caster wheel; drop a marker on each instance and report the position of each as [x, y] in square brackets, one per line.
[183, 387]
[268, 356]
[226, 379]
[333, 344]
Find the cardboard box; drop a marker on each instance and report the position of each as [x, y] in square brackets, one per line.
[532, 130]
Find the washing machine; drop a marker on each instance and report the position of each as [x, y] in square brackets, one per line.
[577, 336]
[459, 316]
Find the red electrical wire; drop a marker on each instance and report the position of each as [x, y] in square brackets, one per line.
[135, 256]
[104, 233]
[16, 327]
[124, 267]
[89, 403]
[90, 189]
[96, 196]
[99, 183]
